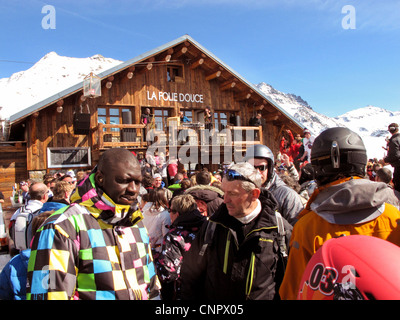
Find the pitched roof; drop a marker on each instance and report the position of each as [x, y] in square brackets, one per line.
[124, 65]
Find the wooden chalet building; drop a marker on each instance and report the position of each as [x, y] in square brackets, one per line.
[70, 130]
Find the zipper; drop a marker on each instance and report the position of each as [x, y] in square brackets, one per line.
[250, 275]
[226, 255]
[250, 272]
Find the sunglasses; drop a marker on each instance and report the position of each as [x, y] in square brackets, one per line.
[233, 175]
[261, 167]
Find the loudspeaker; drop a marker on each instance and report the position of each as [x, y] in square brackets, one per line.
[82, 123]
[238, 123]
[127, 134]
[127, 117]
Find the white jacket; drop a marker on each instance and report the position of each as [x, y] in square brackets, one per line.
[156, 222]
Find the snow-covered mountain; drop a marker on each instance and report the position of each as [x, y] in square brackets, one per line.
[299, 109]
[50, 75]
[54, 73]
[369, 122]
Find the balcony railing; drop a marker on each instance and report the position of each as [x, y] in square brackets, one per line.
[132, 136]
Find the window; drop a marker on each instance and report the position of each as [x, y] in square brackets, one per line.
[220, 120]
[160, 118]
[175, 73]
[111, 115]
[188, 114]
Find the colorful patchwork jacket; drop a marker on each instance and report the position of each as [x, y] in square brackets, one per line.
[92, 249]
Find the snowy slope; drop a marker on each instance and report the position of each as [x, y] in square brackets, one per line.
[299, 109]
[369, 122]
[50, 75]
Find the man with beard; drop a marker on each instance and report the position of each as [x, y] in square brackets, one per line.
[97, 247]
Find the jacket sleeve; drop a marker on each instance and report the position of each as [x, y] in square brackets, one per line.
[290, 204]
[291, 138]
[51, 267]
[194, 267]
[297, 263]
[6, 288]
[170, 260]
[393, 156]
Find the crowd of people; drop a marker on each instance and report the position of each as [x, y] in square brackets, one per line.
[139, 227]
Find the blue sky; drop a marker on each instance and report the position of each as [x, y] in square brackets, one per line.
[297, 46]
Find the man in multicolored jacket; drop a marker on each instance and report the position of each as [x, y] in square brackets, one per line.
[98, 247]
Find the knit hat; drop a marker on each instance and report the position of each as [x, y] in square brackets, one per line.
[71, 173]
[156, 175]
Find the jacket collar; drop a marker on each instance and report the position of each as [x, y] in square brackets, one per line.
[189, 220]
[100, 205]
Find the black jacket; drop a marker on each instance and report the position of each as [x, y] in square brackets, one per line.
[176, 243]
[241, 262]
[393, 156]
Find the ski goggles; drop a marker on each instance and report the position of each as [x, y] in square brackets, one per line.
[232, 175]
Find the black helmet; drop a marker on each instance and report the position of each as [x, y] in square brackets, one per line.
[338, 151]
[260, 151]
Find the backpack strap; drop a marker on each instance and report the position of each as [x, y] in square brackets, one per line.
[281, 231]
[22, 229]
[208, 236]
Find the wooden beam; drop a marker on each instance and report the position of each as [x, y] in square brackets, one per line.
[197, 63]
[142, 69]
[272, 116]
[213, 75]
[227, 85]
[179, 53]
[243, 96]
[166, 56]
[130, 72]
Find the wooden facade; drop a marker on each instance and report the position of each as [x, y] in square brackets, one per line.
[179, 76]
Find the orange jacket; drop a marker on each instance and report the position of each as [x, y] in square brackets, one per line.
[312, 230]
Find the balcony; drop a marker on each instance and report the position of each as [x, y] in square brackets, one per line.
[131, 136]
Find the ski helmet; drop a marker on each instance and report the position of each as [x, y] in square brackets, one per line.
[338, 151]
[355, 267]
[260, 151]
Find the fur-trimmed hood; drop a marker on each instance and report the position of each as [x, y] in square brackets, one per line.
[202, 188]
